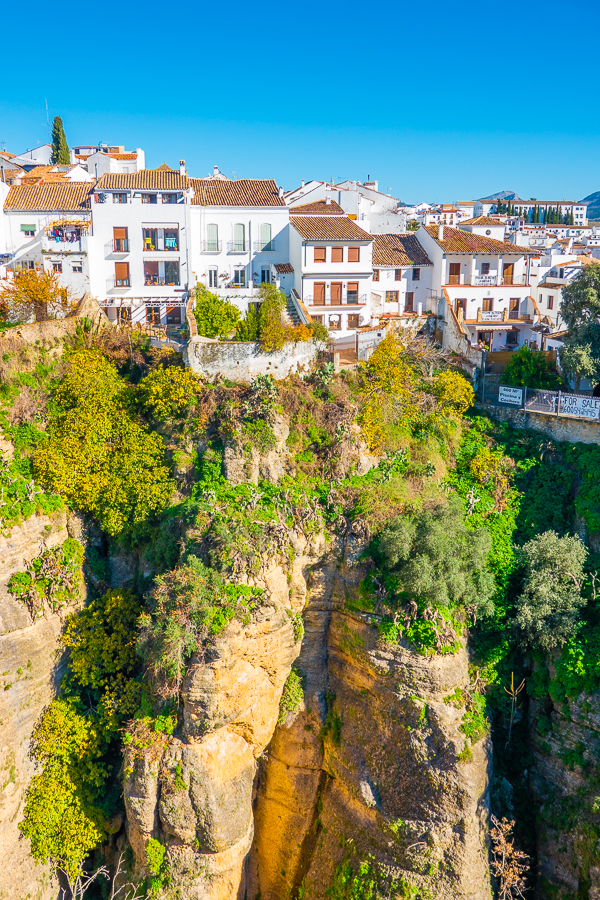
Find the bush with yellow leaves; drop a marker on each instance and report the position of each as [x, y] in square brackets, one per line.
[169, 392]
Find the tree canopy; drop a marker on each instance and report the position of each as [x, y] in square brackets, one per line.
[35, 296]
[580, 310]
[215, 316]
[60, 148]
[530, 368]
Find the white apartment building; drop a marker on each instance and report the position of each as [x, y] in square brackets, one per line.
[365, 204]
[402, 276]
[576, 208]
[333, 265]
[47, 227]
[101, 159]
[484, 281]
[139, 268]
[238, 237]
[549, 291]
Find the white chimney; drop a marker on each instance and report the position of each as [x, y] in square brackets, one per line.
[327, 199]
[182, 167]
[441, 231]
[216, 170]
[281, 192]
[303, 182]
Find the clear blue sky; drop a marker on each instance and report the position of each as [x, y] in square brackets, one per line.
[436, 100]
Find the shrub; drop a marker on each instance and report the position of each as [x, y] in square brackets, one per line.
[215, 317]
[547, 610]
[261, 435]
[292, 696]
[169, 392]
[53, 578]
[530, 368]
[453, 391]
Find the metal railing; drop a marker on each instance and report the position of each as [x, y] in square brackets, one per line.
[264, 246]
[237, 246]
[211, 246]
[549, 403]
[114, 282]
[358, 300]
[118, 245]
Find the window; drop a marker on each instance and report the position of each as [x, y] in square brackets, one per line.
[514, 305]
[151, 275]
[488, 304]
[461, 303]
[239, 277]
[391, 296]
[213, 278]
[265, 237]
[171, 238]
[454, 275]
[550, 302]
[352, 294]
[409, 302]
[353, 254]
[319, 293]
[265, 275]
[416, 274]
[212, 238]
[512, 337]
[77, 268]
[119, 198]
[153, 315]
[28, 230]
[172, 272]
[337, 254]
[169, 198]
[397, 274]
[485, 268]
[335, 323]
[173, 315]
[320, 254]
[148, 198]
[353, 320]
[336, 291]
[160, 238]
[57, 267]
[120, 240]
[317, 319]
[239, 237]
[26, 264]
[121, 274]
[375, 274]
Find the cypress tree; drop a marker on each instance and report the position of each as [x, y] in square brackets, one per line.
[60, 148]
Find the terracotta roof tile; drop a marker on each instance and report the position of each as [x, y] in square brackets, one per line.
[457, 241]
[398, 250]
[328, 228]
[243, 192]
[63, 196]
[318, 208]
[483, 220]
[123, 155]
[284, 268]
[147, 179]
[164, 168]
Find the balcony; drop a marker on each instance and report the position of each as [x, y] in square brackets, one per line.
[264, 246]
[211, 246]
[358, 300]
[171, 245]
[117, 284]
[118, 245]
[51, 245]
[237, 246]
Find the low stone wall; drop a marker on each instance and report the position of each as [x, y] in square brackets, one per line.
[244, 361]
[561, 428]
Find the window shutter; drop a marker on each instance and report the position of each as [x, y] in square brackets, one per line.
[212, 237]
[239, 236]
[265, 236]
[337, 254]
[120, 234]
[353, 254]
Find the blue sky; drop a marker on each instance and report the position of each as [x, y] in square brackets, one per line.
[436, 100]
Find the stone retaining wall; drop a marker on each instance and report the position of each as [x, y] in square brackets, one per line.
[561, 428]
[244, 361]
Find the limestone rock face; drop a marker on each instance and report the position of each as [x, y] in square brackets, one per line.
[244, 462]
[371, 761]
[30, 676]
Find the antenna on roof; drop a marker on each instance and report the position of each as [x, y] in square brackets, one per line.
[47, 118]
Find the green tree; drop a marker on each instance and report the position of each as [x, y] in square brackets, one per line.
[96, 455]
[215, 317]
[547, 610]
[530, 368]
[249, 328]
[60, 148]
[436, 560]
[580, 310]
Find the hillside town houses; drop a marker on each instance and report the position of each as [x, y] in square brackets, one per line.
[347, 255]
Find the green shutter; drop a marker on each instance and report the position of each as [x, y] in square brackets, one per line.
[27, 227]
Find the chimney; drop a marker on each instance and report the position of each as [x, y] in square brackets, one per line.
[182, 167]
[328, 199]
[441, 231]
[281, 192]
[216, 170]
[303, 182]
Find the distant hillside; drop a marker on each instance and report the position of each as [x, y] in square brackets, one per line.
[502, 195]
[593, 211]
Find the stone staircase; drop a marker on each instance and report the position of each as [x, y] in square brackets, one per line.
[290, 313]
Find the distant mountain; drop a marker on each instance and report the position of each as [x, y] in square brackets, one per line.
[502, 195]
[593, 210]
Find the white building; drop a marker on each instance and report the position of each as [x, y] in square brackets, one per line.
[38, 156]
[333, 269]
[238, 237]
[484, 281]
[402, 276]
[576, 208]
[47, 227]
[374, 211]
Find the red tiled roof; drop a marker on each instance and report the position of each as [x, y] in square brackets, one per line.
[60, 196]
[328, 228]
[284, 268]
[398, 250]
[243, 192]
[318, 208]
[147, 179]
[457, 241]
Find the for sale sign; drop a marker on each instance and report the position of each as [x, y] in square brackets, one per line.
[582, 407]
[510, 395]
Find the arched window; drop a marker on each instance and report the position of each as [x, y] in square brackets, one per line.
[239, 237]
[212, 238]
[265, 237]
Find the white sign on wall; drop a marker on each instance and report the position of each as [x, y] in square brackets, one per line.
[583, 407]
[492, 315]
[510, 395]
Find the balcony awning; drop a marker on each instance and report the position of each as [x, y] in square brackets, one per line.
[492, 326]
[84, 224]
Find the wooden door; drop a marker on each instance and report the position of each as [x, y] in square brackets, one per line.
[507, 273]
[454, 277]
[336, 291]
[319, 293]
